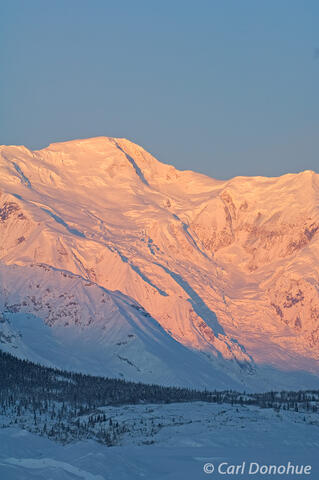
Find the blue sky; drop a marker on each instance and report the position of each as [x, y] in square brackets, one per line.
[222, 87]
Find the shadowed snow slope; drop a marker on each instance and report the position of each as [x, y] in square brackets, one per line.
[114, 263]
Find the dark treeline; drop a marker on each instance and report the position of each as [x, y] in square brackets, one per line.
[66, 405]
[23, 378]
[20, 378]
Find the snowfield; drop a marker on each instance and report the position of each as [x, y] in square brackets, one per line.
[169, 442]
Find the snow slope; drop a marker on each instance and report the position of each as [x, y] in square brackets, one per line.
[172, 442]
[56, 318]
[227, 270]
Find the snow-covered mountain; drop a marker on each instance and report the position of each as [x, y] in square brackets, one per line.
[114, 263]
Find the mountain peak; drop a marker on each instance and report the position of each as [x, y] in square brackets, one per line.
[228, 268]
[86, 143]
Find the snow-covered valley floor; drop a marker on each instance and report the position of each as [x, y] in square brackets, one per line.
[166, 442]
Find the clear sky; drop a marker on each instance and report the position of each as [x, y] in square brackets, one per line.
[224, 87]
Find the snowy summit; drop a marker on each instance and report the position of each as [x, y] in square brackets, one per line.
[113, 263]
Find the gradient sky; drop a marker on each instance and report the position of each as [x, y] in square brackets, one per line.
[222, 87]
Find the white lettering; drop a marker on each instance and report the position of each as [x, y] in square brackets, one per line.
[226, 468]
[272, 469]
[263, 469]
[220, 468]
[253, 468]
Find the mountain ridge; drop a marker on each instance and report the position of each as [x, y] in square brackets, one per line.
[226, 268]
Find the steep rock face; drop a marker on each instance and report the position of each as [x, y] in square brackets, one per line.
[60, 319]
[267, 219]
[295, 301]
[227, 269]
